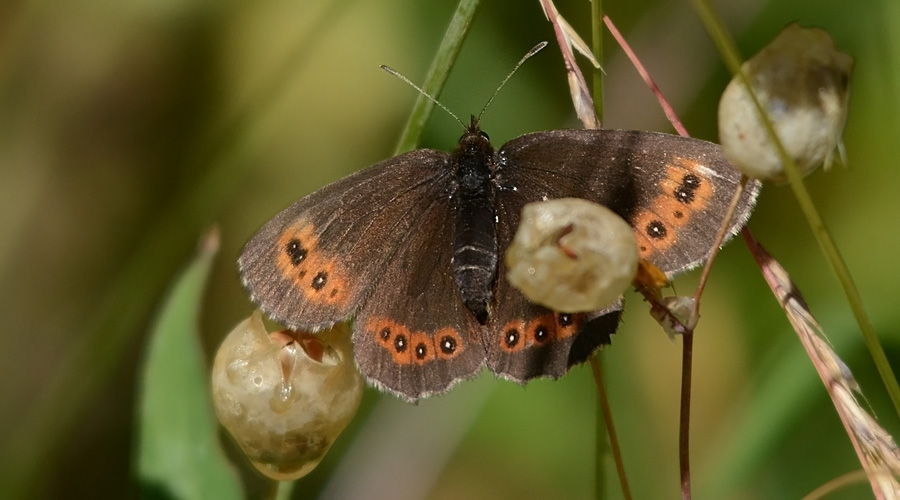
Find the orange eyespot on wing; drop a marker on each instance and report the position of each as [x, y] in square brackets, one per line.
[513, 338]
[422, 348]
[567, 324]
[392, 337]
[687, 184]
[448, 343]
[322, 280]
[538, 331]
[685, 190]
[407, 347]
[653, 233]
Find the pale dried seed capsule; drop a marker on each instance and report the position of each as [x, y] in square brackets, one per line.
[572, 255]
[285, 397]
[802, 81]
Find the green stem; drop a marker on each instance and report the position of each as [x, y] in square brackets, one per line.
[602, 433]
[437, 74]
[284, 490]
[730, 54]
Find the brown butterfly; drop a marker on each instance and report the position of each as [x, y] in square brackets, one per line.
[412, 247]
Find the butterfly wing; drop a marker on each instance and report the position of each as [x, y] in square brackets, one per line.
[414, 337]
[524, 340]
[378, 242]
[314, 263]
[673, 190]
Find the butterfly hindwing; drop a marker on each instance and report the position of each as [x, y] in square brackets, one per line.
[525, 340]
[414, 336]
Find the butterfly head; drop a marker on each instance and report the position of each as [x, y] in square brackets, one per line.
[474, 138]
[473, 157]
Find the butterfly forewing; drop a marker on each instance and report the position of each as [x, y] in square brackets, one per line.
[314, 263]
[673, 190]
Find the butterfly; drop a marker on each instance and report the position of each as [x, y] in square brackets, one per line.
[412, 247]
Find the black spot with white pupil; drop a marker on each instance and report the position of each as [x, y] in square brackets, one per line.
[400, 343]
[565, 319]
[448, 345]
[320, 280]
[421, 351]
[541, 333]
[511, 338]
[385, 334]
[686, 191]
[296, 252]
[656, 230]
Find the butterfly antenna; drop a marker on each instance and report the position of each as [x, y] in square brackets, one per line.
[537, 48]
[426, 94]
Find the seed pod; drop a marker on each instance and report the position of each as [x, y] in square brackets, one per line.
[572, 255]
[802, 82]
[285, 397]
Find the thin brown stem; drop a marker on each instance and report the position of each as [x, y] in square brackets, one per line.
[720, 237]
[610, 428]
[684, 455]
[663, 103]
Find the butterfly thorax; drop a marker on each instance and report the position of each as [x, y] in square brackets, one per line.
[475, 240]
[472, 160]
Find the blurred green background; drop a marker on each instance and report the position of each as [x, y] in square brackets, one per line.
[128, 128]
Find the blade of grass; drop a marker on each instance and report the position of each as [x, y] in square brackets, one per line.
[437, 74]
[178, 447]
[645, 75]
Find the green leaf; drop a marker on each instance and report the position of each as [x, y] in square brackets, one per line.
[179, 455]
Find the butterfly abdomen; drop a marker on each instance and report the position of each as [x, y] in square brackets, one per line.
[475, 254]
